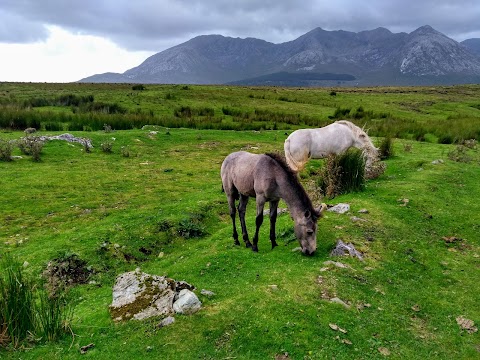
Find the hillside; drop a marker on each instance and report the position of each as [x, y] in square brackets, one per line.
[374, 57]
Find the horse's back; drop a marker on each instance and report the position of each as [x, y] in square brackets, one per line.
[237, 171]
[297, 148]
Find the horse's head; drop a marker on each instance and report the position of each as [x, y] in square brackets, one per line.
[306, 229]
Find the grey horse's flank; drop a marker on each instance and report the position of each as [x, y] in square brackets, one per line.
[268, 178]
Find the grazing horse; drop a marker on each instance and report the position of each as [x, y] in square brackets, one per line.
[304, 144]
[268, 178]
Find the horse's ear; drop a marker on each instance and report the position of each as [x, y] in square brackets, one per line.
[321, 209]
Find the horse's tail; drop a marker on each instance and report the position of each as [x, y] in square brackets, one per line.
[294, 165]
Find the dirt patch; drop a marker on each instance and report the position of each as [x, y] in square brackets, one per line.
[65, 271]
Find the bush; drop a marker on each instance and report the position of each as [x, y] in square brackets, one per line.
[343, 173]
[107, 147]
[54, 314]
[6, 149]
[138, 87]
[460, 154]
[31, 145]
[17, 302]
[191, 227]
[125, 151]
[385, 150]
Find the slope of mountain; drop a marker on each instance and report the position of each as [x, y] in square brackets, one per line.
[374, 57]
[473, 45]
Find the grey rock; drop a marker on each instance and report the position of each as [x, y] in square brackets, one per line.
[342, 249]
[207, 293]
[169, 320]
[187, 303]
[137, 295]
[340, 208]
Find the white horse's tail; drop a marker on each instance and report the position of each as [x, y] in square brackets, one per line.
[288, 155]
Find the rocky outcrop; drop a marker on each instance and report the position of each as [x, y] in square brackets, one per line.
[138, 295]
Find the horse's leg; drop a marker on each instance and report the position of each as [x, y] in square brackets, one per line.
[258, 221]
[231, 205]
[242, 207]
[273, 220]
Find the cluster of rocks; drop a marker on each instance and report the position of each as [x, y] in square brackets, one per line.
[69, 138]
[138, 295]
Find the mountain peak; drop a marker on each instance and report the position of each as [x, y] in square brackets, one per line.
[373, 57]
[426, 30]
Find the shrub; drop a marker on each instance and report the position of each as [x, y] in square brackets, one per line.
[107, 128]
[17, 303]
[107, 147]
[54, 315]
[385, 150]
[31, 145]
[341, 113]
[138, 87]
[343, 173]
[333, 93]
[191, 227]
[6, 149]
[460, 154]
[125, 151]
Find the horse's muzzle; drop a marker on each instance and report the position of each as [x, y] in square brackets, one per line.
[307, 252]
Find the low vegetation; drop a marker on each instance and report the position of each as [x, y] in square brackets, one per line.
[77, 219]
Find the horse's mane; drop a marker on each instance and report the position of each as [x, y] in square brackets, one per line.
[293, 180]
[351, 126]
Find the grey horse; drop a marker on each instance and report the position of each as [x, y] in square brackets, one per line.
[267, 177]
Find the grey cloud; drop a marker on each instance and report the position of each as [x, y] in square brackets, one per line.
[155, 25]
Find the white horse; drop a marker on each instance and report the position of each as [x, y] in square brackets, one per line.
[305, 144]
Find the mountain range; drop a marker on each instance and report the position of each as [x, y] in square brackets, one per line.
[319, 57]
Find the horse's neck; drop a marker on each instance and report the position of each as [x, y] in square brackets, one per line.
[294, 202]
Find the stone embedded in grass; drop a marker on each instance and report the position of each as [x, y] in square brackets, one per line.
[340, 208]
[137, 295]
[342, 249]
[187, 302]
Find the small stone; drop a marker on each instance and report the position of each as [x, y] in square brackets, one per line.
[161, 254]
[340, 208]
[337, 300]
[167, 321]
[363, 211]
[207, 293]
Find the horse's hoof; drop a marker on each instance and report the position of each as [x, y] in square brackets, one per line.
[236, 242]
[248, 244]
[274, 244]
[255, 249]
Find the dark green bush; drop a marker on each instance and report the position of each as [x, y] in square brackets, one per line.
[343, 173]
[6, 149]
[31, 145]
[385, 150]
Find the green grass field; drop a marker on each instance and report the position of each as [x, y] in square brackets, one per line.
[108, 209]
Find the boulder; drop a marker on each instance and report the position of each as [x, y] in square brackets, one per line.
[187, 302]
[138, 295]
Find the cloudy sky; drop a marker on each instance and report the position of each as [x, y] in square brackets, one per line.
[66, 40]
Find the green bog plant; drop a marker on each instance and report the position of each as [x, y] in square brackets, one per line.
[343, 173]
